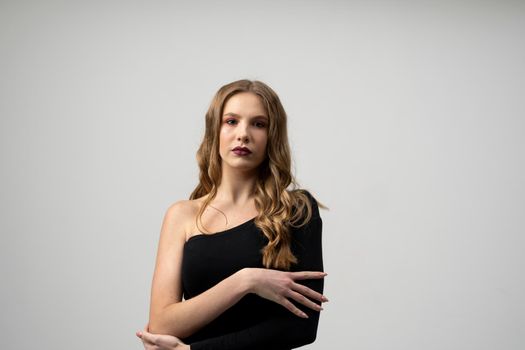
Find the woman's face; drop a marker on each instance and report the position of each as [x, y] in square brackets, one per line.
[244, 124]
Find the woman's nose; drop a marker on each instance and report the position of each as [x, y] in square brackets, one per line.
[242, 133]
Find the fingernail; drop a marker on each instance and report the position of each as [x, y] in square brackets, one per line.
[325, 298]
[304, 315]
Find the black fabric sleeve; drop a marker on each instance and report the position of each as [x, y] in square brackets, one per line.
[283, 330]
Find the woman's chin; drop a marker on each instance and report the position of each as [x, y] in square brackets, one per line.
[243, 166]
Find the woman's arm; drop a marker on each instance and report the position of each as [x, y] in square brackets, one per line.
[283, 330]
[172, 316]
[160, 341]
[168, 314]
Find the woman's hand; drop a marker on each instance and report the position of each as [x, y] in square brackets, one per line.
[278, 286]
[160, 341]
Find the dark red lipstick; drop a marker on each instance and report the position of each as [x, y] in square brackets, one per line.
[241, 151]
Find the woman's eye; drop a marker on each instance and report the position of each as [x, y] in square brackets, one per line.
[257, 124]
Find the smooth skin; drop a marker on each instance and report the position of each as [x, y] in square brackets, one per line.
[244, 124]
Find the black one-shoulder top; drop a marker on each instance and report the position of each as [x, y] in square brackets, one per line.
[253, 322]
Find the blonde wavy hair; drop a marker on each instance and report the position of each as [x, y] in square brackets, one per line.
[279, 208]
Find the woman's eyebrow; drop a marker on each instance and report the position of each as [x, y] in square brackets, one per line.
[237, 115]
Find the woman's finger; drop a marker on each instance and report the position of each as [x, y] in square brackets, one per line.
[309, 292]
[304, 300]
[160, 340]
[139, 333]
[148, 345]
[149, 337]
[302, 275]
[294, 309]
[167, 341]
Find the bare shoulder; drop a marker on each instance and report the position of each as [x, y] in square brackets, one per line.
[181, 214]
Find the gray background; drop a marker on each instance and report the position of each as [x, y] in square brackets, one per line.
[406, 119]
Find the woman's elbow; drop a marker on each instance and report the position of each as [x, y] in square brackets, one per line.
[305, 335]
[158, 325]
[308, 337]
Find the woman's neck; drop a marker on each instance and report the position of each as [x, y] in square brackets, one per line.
[237, 187]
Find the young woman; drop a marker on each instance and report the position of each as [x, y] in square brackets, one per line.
[244, 251]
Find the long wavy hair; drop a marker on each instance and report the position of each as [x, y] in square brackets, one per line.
[279, 208]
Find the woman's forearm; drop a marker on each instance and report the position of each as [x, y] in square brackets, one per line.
[184, 318]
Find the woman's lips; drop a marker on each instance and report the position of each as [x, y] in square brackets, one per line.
[241, 152]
